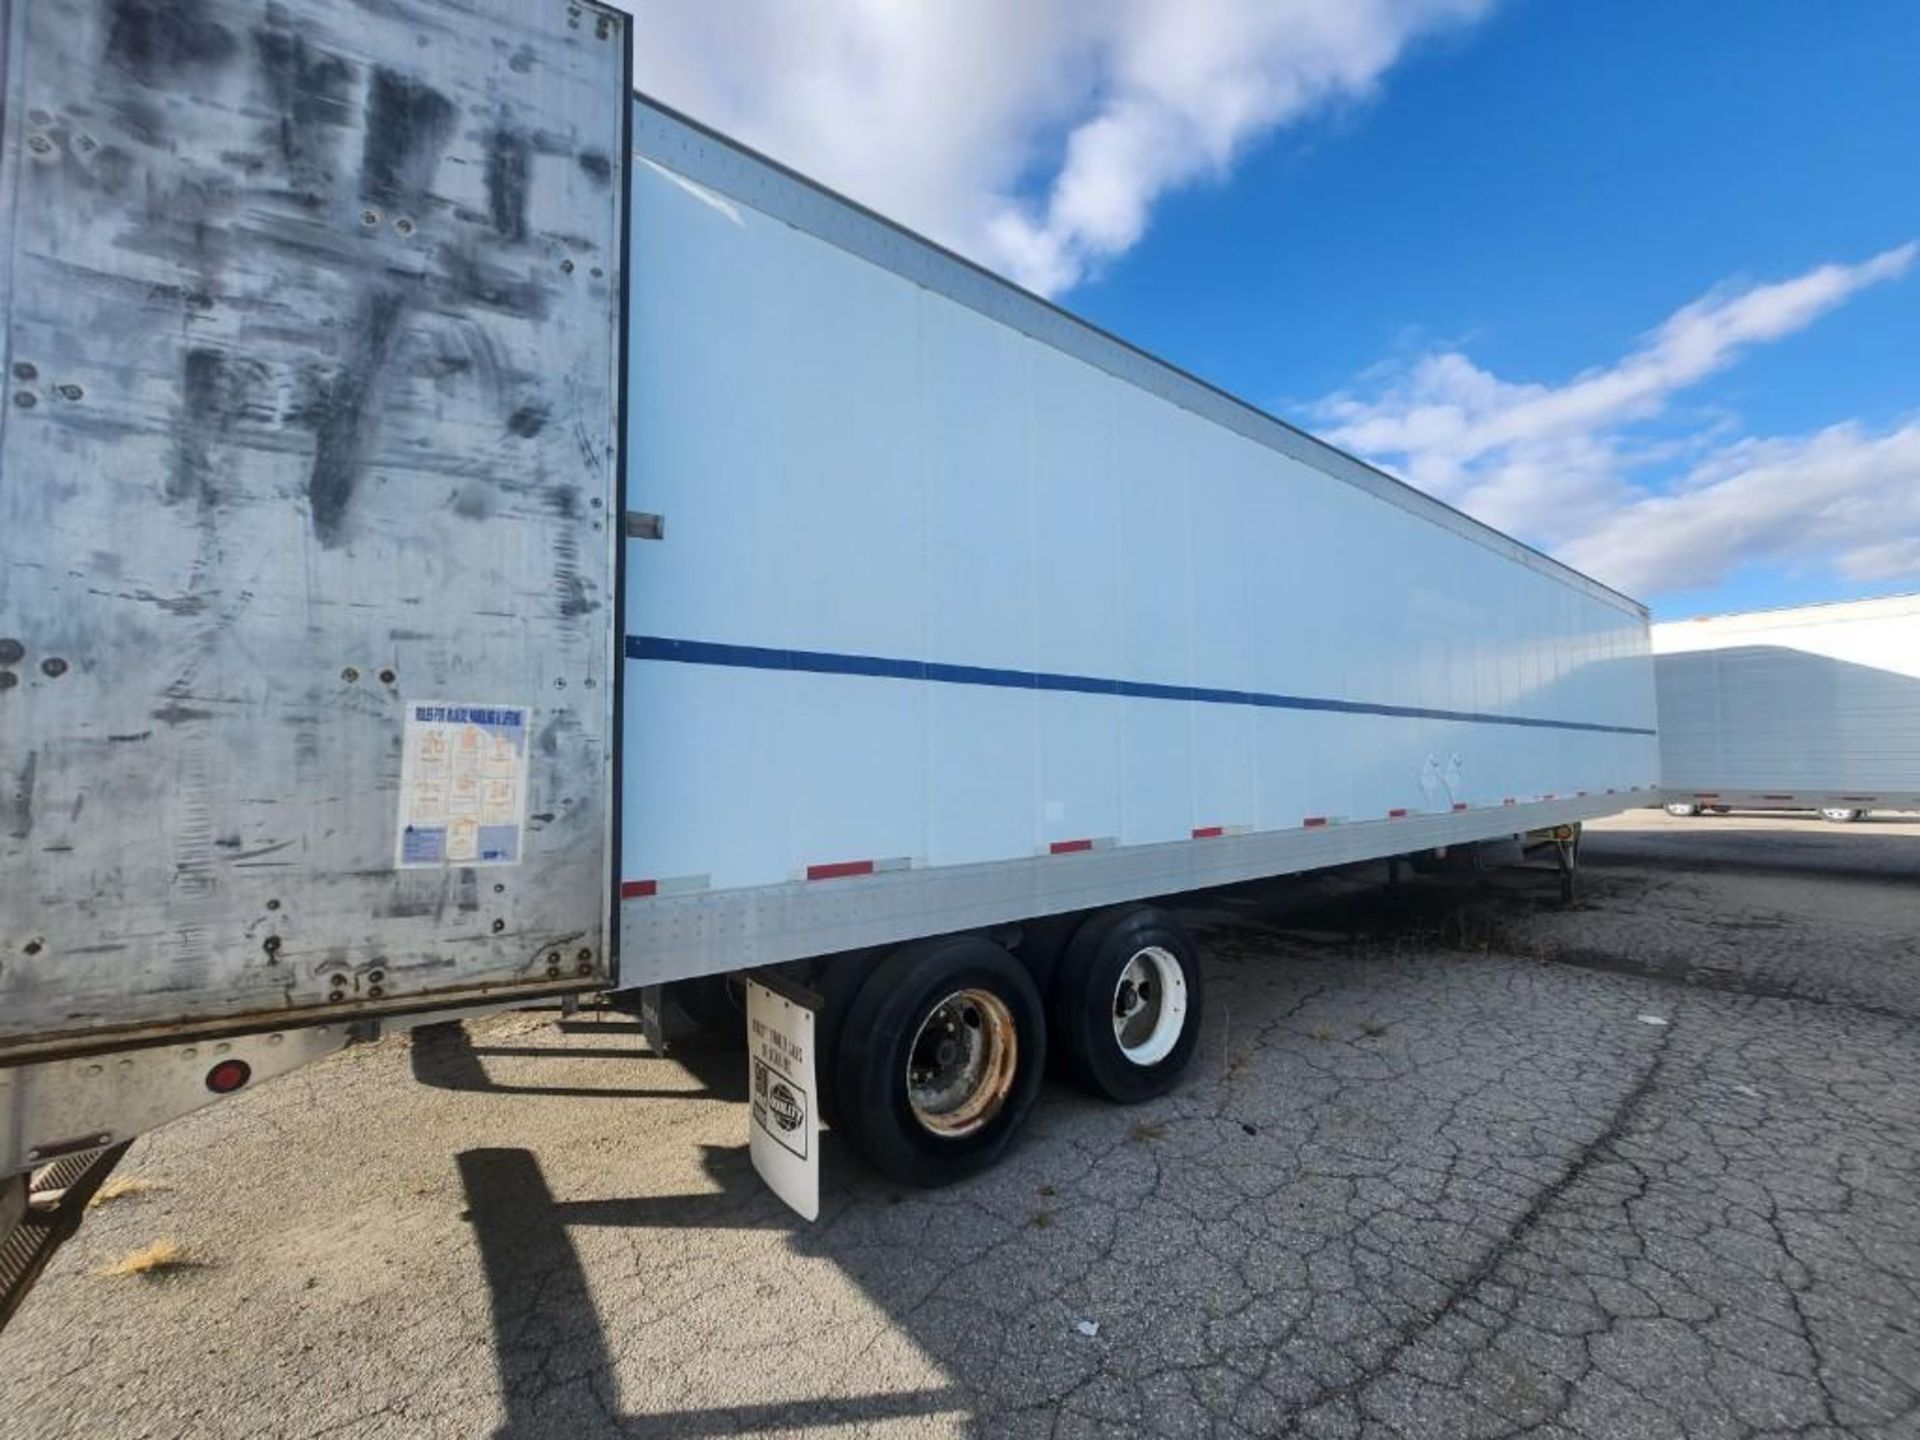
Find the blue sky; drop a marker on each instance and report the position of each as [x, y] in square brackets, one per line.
[1541, 189]
[1636, 282]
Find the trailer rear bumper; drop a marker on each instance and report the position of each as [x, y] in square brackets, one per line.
[60, 1109]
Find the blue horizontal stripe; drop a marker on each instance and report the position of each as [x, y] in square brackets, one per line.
[824, 662]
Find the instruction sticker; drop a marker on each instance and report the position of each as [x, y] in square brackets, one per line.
[463, 785]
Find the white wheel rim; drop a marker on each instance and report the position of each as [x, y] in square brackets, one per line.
[1149, 1006]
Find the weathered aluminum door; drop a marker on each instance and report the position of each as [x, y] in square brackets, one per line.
[310, 466]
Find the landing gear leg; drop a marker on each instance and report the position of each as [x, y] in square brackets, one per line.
[1566, 859]
[651, 1012]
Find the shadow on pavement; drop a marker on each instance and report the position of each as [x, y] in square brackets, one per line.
[543, 1315]
[1317, 1141]
[1874, 850]
[447, 1058]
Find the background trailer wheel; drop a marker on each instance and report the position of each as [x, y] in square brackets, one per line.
[939, 1059]
[1682, 809]
[1126, 1003]
[715, 1003]
[1840, 814]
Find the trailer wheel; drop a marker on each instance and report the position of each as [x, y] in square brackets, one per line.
[940, 1059]
[1682, 810]
[1840, 814]
[1126, 1004]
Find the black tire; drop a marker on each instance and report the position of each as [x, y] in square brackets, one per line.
[1088, 985]
[716, 1005]
[878, 1044]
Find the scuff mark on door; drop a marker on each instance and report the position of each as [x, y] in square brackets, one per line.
[18, 812]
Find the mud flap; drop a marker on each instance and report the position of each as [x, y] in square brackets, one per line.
[784, 1126]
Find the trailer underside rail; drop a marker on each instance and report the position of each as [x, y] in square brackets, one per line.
[673, 936]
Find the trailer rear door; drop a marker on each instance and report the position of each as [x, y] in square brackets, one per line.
[310, 472]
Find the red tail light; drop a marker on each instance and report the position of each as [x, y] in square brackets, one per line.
[228, 1076]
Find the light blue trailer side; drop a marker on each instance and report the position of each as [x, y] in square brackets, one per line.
[967, 612]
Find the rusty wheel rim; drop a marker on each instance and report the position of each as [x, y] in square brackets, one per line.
[961, 1066]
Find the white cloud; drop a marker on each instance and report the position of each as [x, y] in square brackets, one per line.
[1844, 497]
[1569, 466]
[1033, 135]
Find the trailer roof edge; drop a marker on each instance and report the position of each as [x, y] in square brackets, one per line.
[1907, 596]
[926, 262]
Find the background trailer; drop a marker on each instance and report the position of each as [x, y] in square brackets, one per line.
[471, 534]
[1812, 708]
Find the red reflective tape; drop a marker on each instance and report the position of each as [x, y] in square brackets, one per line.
[1396, 814]
[1209, 832]
[1069, 847]
[1313, 822]
[638, 889]
[1459, 804]
[839, 870]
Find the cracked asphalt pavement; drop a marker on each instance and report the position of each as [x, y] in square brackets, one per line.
[1451, 1161]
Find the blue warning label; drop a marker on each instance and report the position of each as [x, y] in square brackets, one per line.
[463, 785]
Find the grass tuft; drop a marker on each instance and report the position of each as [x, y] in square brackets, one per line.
[1146, 1130]
[155, 1259]
[118, 1187]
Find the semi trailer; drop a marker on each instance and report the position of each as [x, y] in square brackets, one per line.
[1816, 707]
[474, 536]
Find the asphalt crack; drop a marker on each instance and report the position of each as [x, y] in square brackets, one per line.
[1490, 1262]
